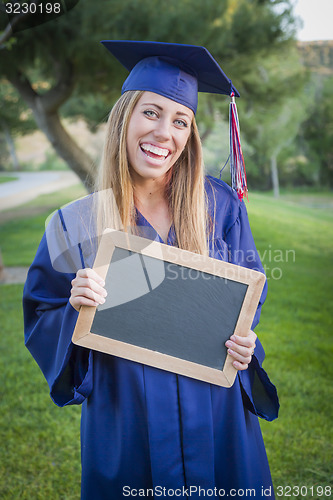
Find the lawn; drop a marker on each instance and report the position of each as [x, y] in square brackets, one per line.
[296, 328]
[40, 457]
[7, 178]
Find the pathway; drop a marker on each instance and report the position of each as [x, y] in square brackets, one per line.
[31, 184]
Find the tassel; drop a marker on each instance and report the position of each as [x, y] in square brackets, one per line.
[237, 165]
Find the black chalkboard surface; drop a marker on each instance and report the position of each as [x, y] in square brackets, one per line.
[169, 308]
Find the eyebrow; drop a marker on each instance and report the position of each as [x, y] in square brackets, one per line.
[179, 113]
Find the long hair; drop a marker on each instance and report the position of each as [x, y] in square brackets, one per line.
[185, 190]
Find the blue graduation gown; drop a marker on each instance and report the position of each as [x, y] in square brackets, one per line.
[143, 428]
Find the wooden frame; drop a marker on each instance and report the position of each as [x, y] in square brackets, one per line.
[206, 266]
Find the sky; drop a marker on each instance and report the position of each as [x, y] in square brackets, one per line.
[317, 16]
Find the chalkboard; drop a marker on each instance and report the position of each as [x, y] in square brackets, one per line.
[169, 308]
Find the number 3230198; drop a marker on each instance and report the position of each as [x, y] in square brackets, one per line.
[33, 8]
[304, 491]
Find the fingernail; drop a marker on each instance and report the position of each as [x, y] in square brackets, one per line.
[228, 343]
[101, 300]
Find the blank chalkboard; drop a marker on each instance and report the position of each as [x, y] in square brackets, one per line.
[169, 308]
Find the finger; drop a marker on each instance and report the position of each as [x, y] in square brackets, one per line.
[88, 293]
[246, 341]
[244, 355]
[79, 301]
[90, 273]
[243, 359]
[240, 366]
[84, 283]
[244, 350]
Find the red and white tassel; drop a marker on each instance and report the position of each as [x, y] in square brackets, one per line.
[237, 165]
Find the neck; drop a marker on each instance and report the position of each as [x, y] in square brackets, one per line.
[150, 199]
[149, 191]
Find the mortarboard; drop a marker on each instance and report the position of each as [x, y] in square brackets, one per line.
[179, 72]
[174, 70]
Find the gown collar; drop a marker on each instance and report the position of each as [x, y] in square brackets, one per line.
[146, 230]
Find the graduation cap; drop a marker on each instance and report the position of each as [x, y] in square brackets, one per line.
[179, 72]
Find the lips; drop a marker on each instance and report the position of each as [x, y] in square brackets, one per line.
[154, 152]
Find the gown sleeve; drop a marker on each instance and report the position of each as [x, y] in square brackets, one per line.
[49, 320]
[259, 394]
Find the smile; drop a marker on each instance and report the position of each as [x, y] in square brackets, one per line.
[154, 152]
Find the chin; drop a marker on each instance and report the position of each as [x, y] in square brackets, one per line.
[152, 172]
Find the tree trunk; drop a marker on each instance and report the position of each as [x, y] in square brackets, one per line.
[205, 134]
[11, 146]
[275, 176]
[45, 109]
[66, 147]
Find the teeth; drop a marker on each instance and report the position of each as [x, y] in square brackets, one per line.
[155, 150]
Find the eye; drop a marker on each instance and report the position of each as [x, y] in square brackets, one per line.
[150, 113]
[181, 123]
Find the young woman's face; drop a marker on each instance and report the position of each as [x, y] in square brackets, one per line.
[158, 131]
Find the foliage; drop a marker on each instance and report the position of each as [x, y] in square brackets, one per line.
[13, 111]
[317, 56]
[274, 109]
[15, 120]
[318, 131]
[52, 162]
[238, 33]
[40, 456]
[4, 154]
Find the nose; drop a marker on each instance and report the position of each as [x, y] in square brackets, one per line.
[162, 130]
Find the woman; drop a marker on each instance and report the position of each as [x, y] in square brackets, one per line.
[144, 431]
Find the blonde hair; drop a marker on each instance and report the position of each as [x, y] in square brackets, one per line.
[185, 190]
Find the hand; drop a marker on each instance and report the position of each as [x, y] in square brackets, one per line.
[87, 289]
[242, 349]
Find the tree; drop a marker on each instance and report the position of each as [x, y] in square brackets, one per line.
[14, 119]
[60, 62]
[274, 111]
[318, 131]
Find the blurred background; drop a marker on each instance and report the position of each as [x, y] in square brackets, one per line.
[58, 83]
[57, 86]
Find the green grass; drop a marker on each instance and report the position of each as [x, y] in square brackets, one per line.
[40, 451]
[22, 228]
[296, 328]
[39, 456]
[7, 178]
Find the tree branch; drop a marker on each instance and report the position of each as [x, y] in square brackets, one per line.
[53, 98]
[24, 87]
[58, 94]
[9, 30]
[45, 110]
